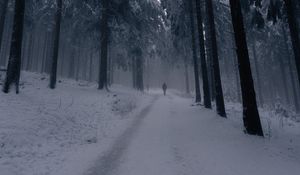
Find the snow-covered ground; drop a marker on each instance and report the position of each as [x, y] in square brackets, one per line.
[43, 131]
[176, 138]
[78, 130]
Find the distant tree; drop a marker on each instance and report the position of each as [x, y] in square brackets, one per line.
[104, 24]
[250, 112]
[14, 63]
[53, 73]
[3, 11]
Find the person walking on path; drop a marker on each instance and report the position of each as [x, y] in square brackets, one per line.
[164, 87]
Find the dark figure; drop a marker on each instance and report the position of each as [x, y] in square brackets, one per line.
[164, 87]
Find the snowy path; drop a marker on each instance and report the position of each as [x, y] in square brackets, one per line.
[173, 138]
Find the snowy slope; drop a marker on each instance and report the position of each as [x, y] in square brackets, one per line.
[41, 128]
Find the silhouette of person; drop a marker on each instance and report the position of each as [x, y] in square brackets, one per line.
[164, 87]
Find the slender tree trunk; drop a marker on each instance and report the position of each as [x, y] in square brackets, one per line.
[296, 99]
[237, 79]
[284, 78]
[250, 112]
[104, 46]
[206, 91]
[53, 73]
[194, 49]
[38, 52]
[29, 52]
[111, 71]
[2, 19]
[292, 21]
[14, 64]
[134, 72]
[6, 39]
[72, 63]
[45, 51]
[77, 60]
[186, 73]
[260, 97]
[140, 76]
[217, 77]
[91, 66]
[236, 71]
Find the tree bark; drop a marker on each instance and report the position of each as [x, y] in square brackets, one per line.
[294, 89]
[194, 50]
[2, 19]
[104, 46]
[292, 21]
[53, 73]
[216, 68]
[250, 112]
[206, 91]
[14, 63]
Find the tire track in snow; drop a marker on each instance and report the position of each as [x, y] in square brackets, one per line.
[180, 161]
[109, 162]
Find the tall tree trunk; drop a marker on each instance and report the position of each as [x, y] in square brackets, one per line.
[194, 50]
[292, 21]
[250, 112]
[134, 72]
[140, 70]
[295, 95]
[91, 66]
[14, 64]
[294, 89]
[71, 72]
[284, 78]
[217, 77]
[236, 71]
[104, 46]
[53, 73]
[111, 70]
[2, 19]
[29, 52]
[186, 73]
[237, 79]
[44, 55]
[260, 97]
[206, 91]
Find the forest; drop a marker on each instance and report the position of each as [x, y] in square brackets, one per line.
[87, 70]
